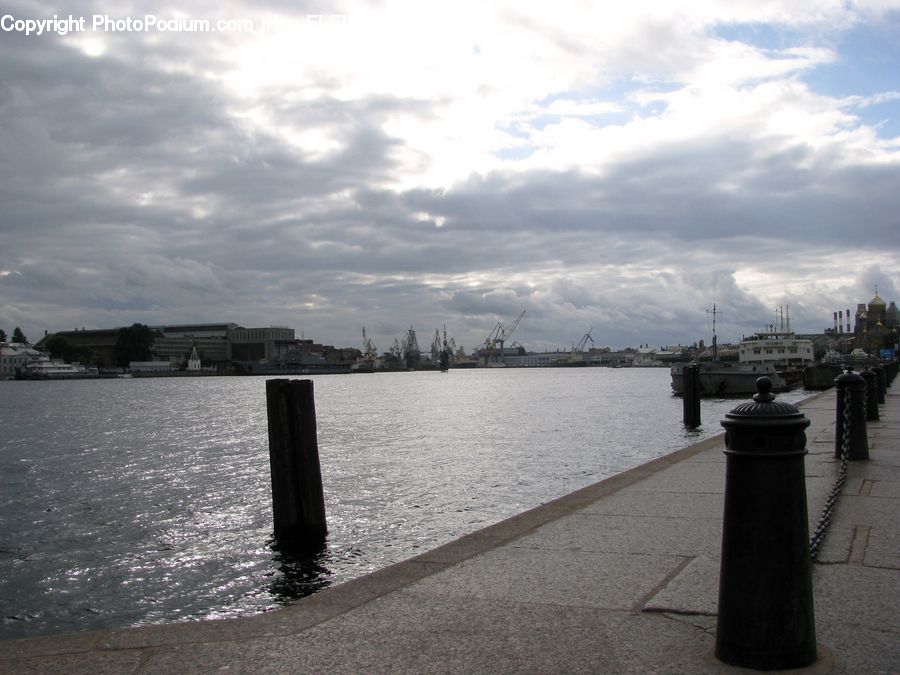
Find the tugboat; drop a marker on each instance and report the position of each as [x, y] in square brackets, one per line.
[722, 378]
[725, 378]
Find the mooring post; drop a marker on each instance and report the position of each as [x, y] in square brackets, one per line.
[690, 379]
[871, 397]
[298, 501]
[850, 391]
[766, 616]
[881, 382]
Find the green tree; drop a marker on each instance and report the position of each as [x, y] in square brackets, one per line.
[134, 344]
[2, 335]
[61, 348]
[19, 336]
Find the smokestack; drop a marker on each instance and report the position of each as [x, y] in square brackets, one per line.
[835, 323]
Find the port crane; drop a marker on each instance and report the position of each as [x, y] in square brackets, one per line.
[442, 349]
[441, 345]
[369, 349]
[436, 346]
[578, 349]
[396, 350]
[493, 345]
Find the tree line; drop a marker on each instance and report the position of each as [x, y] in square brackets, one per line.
[134, 343]
[17, 336]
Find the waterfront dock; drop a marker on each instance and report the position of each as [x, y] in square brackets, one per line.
[620, 576]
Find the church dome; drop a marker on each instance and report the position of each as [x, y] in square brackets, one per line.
[877, 300]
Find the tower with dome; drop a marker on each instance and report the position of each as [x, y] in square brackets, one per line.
[876, 325]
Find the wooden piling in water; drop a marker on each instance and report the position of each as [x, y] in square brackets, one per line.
[298, 501]
[690, 378]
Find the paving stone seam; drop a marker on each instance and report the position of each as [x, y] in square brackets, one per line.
[643, 601]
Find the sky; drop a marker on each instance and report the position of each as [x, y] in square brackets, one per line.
[606, 166]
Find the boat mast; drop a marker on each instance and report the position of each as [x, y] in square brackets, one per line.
[715, 339]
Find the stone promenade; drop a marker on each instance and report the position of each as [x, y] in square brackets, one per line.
[619, 577]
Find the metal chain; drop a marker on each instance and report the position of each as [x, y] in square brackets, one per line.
[865, 405]
[825, 518]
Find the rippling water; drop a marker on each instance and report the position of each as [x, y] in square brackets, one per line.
[127, 502]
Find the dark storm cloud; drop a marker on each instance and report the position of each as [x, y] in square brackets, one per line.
[712, 193]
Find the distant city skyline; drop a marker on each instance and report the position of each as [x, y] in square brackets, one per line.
[608, 166]
[781, 321]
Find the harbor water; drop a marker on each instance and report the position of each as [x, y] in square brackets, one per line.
[136, 501]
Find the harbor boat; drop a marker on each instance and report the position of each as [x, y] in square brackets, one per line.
[727, 378]
[45, 368]
[789, 354]
[782, 349]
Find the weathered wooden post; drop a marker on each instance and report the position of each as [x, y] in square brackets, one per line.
[766, 618]
[690, 379]
[850, 391]
[298, 501]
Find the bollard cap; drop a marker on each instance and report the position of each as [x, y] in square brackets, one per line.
[849, 378]
[765, 426]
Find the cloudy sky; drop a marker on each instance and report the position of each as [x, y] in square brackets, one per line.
[621, 166]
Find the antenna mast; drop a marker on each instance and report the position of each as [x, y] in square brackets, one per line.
[715, 339]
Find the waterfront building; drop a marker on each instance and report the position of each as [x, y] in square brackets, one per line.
[609, 358]
[261, 344]
[216, 344]
[14, 358]
[100, 344]
[876, 326]
[151, 367]
[531, 360]
[174, 343]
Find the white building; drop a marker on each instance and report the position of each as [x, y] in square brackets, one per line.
[193, 360]
[14, 358]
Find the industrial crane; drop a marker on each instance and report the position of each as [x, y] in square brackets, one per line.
[396, 350]
[369, 349]
[436, 346]
[577, 350]
[583, 342]
[493, 345]
[442, 349]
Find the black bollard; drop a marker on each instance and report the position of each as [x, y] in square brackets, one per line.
[766, 618]
[871, 394]
[690, 378]
[858, 440]
[880, 382]
[298, 501]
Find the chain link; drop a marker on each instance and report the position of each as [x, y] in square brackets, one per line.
[831, 502]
